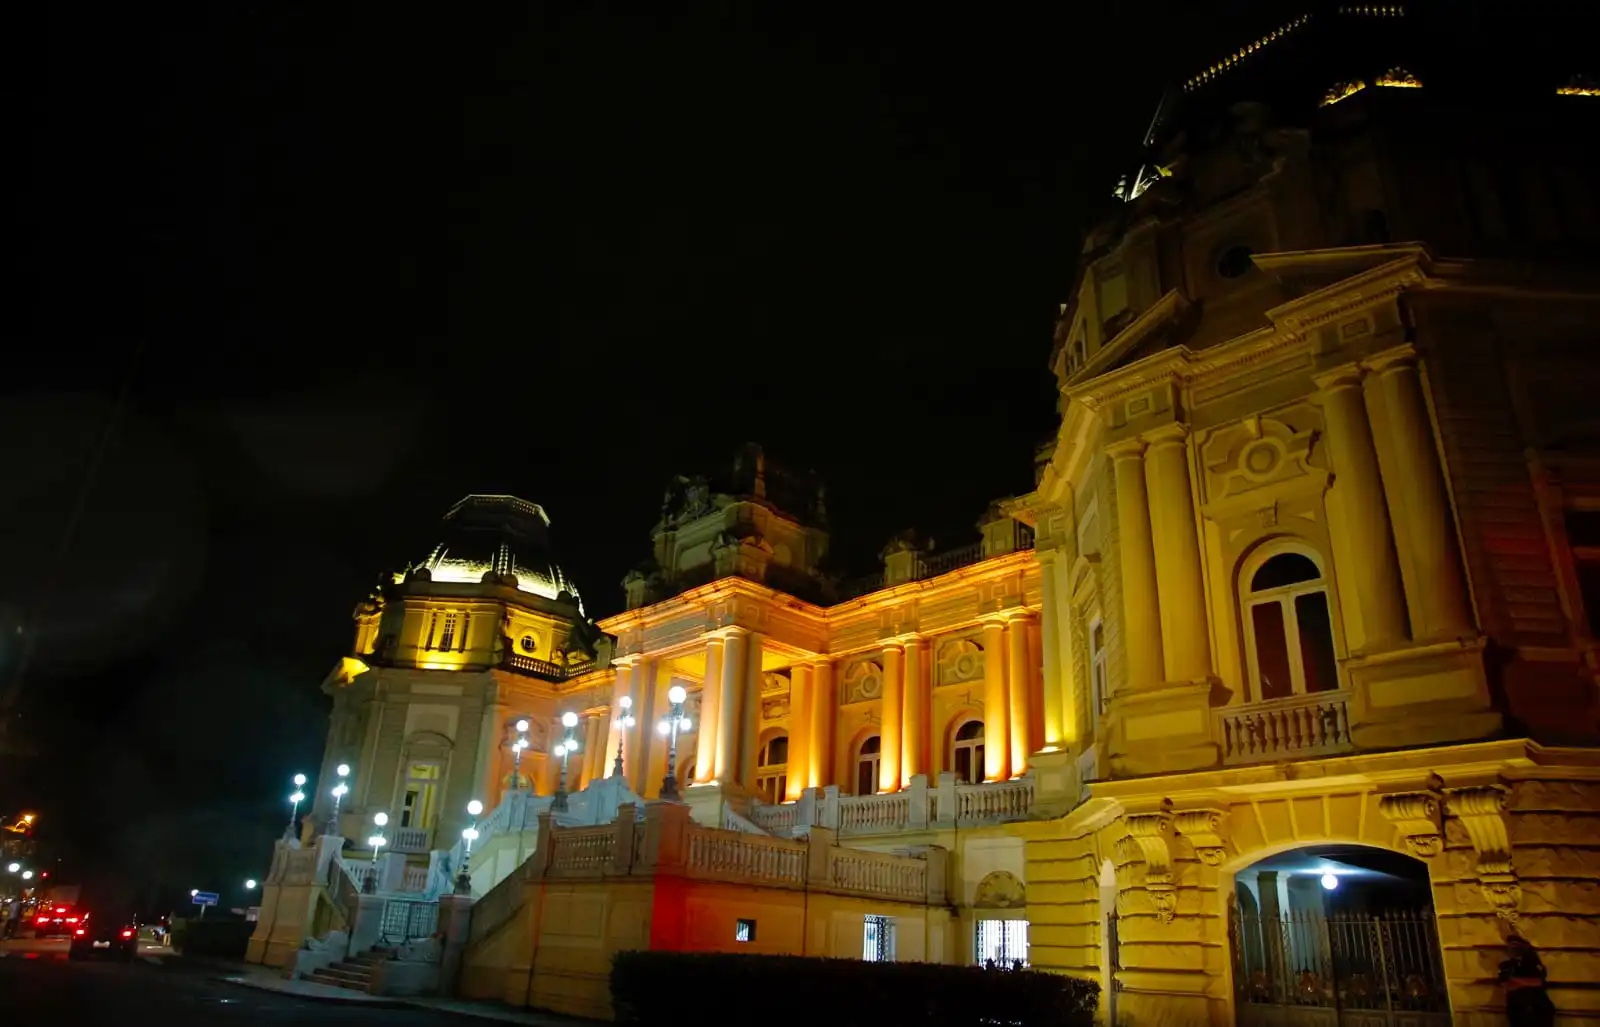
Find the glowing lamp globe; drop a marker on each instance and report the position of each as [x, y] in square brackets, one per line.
[626, 702]
[380, 818]
[474, 807]
[676, 694]
[665, 727]
[569, 719]
[299, 780]
[470, 834]
[522, 725]
[1330, 881]
[343, 770]
[250, 884]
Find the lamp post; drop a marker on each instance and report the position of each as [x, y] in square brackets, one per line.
[469, 834]
[339, 791]
[295, 799]
[623, 722]
[565, 748]
[516, 755]
[670, 725]
[370, 883]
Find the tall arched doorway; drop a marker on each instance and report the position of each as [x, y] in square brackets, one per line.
[1336, 936]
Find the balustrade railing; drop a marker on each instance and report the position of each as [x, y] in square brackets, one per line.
[749, 857]
[1317, 724]
[581, 849]
[921, 805]
[409, 839]
[415, 879]
[878, 874]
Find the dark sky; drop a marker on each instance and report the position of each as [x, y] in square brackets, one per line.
[352, 267]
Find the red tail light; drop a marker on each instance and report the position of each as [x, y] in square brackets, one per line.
[72, 919]
[43, 920]
[78, 931]
[127, 934]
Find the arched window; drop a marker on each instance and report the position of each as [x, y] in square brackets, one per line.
[966, 755]
[867, 766]
[772, 769]
[1288, 627]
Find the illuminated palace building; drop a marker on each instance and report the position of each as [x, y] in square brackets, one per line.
[1273, 702]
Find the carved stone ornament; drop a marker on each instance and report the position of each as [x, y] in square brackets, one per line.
[1482, 811]
[1419, 816]
[1204, 828]
[1149, 840]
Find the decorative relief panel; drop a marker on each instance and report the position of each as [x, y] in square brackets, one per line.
[775, 708]
[861, 681]
[958, 661]
[774, 681]
[1000, 890]
[1258, 452]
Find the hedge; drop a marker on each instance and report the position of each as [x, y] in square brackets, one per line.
[216, 937]
[667, 989]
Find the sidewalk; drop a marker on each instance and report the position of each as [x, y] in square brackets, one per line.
[267, 979]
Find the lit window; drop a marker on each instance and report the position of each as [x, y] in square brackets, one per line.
[1099, 679]
[529, 644]
[966, 757]
[877, 939]
[867, 766]
[1001, 942]
[1289, 629]
[447, 637]
[422, 782]
[744, 930]
[772, 777]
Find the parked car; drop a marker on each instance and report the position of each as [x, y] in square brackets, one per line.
[113, 936]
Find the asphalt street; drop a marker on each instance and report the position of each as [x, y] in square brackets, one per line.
[39, 985]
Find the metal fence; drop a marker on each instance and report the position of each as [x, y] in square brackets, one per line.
[405, 920]
[1307, 969]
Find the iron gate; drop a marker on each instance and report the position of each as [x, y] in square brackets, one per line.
[1114, 961]
[1306, 969]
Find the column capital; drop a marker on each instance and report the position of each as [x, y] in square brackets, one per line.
[1389, 361]
[1127, 449]
[725, 633]
[1174, 434]
[1345, 376]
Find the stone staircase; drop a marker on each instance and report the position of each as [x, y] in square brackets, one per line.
[355, 973]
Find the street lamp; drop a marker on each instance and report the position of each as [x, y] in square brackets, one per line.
[377, 841]
[565, 748]
[295, 800]
[516, 755]
[670, 725]
[27, 875]
[624, 722]
[249, 884]
[13, 868]
[469, 834]
[339, 790]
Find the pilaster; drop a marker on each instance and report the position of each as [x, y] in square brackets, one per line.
[1018, 679]
[1141, 610]
[914, 739]
[996, 746]
[891, 712]
[705, 753]
[799, 730]
[823, 698]
[1185, 636]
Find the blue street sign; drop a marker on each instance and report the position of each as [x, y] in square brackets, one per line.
[204, 898]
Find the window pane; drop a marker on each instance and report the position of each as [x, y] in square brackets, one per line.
[777, 752]
[1284, 569]
[867, 776]
[1316, 641]
[1272, 652]
[963, 767]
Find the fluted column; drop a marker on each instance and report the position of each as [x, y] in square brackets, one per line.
[799, 729]
[1185, 637]
[642, 737]
[619, 688]
[705, 750]
[490, 731]
[996, 721]
[1369, 580]
[1051, 623]
[893, 708]
[1141, 616]
[1017, 687]
[1419, 505]
[735, 645]
[822, 716]
[914, 725]
[750, 714]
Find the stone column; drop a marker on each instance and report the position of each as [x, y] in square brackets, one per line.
[822, 715]
[918, 700]
[619, 688]
[1050, 624]
[735, 646]
[493, 726]
[1419, 504]
[1369, 581]
[996, 722]
[1140, 605]
[1035, 685]
[799, 730]
[1185, 637]
[642, 737]
[893, 708]
[750, 721]
[1018, 680]
[705, 750]
[594, 750]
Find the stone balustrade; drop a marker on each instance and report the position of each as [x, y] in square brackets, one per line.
[668, 842]
[945, 804]
[1299, 727]
[410, 839]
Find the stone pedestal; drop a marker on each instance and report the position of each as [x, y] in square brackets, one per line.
[1421, 695]
[455, 920]
[1161, 730]
[1055, 782]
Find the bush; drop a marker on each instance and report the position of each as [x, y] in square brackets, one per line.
[659, 989]
[217, 938]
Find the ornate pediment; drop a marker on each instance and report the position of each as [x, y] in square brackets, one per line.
[1259, 456]
[958, 661]
[861, 681]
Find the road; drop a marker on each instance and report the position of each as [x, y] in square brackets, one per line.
[38, 985]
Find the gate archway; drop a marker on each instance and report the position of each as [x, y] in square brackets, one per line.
[1336, 935]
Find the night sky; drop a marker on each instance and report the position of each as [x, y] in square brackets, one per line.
[348, 269]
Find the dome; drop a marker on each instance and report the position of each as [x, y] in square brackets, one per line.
[498, 535]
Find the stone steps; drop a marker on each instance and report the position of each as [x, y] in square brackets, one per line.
[353, 974]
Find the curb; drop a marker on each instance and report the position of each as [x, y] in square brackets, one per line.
[355, 998]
